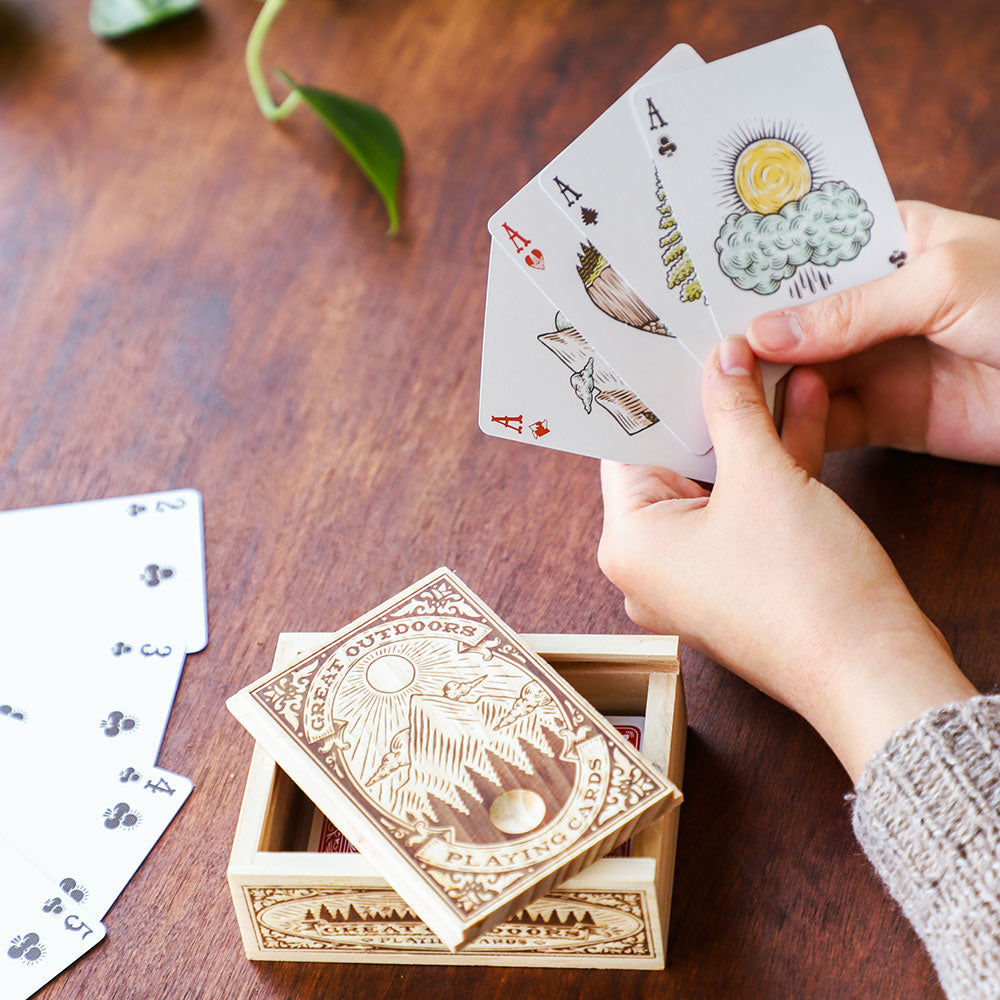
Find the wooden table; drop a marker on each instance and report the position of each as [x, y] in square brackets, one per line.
[191, 296]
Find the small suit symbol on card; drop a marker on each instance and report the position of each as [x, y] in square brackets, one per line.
[535, 258]
[129, 774]
[73, 889]
[898, 257]
[666, 147]
[122, 816]
[27, 947]
[53, 905]
[153, 575]
[134, 509]
[589, 216]
[539, 429]
[116, 723]
[120, 649]
[7, 712]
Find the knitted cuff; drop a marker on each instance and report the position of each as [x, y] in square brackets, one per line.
[927, 813]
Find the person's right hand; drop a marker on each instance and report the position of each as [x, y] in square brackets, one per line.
[911, 360]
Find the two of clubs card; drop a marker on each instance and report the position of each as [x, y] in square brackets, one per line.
[100, 602]
[707, 194]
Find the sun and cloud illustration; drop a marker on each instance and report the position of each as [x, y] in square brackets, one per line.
[787, 218]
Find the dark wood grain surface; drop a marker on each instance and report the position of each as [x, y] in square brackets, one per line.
[190, 296]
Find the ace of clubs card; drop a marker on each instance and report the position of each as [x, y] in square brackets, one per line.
[772, 173]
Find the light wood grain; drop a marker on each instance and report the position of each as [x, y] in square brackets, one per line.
[191, 297]
[278, 883]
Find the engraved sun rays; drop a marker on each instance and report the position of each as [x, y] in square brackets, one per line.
[375, 695]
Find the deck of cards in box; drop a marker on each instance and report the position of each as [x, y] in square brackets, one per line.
[500, 817]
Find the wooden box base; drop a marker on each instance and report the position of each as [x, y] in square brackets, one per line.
[301, 906]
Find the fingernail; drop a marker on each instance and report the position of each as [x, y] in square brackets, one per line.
[775, 333]
[735, 356]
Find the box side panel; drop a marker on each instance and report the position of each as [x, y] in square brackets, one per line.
[581, 928]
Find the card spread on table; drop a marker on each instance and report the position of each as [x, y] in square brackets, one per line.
[132, 562]
[86, 692]
[704, 196]
[45, 926]
[100, 602]
[95, 823]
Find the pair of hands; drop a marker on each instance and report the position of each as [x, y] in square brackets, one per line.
[773, 575]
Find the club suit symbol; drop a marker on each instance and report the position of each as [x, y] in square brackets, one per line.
[134, 509]
[117, 722]
[73, 889]
[28, 947]
[6, 711]
[666, 147]
[129, 774]
[53, 905]
[122, 816]
[120, 648]
[153, 575]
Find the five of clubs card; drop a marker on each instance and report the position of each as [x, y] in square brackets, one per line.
[100, 602]
[707, 194]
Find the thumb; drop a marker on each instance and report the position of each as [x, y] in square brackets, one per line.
[742, 429]
[908, 301]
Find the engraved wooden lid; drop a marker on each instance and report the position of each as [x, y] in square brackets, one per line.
[452, 756]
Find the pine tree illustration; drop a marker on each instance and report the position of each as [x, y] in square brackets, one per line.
[680, 270]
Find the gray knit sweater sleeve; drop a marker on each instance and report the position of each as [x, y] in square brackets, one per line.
[927, 813]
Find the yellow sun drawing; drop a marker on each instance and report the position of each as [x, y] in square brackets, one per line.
[770, 173]
[763, 167]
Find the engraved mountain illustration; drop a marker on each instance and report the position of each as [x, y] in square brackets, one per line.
[460, 754]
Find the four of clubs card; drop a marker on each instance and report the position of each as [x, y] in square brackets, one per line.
[100, 602]
[706, 195]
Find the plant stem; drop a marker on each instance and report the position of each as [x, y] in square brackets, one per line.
[255, 43]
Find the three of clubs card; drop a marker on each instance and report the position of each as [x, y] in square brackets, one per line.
[707, 194]
[100, 602]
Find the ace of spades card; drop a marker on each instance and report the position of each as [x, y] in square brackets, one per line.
[453, 757]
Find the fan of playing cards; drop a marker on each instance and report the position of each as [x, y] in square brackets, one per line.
[704, 196]
[99, 603]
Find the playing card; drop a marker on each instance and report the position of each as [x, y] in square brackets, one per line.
[632, 727]
[100, 697]
[90, 823]
[606, 183]
[133, 563]
[771, 172]
[584, 286]
[544, 384]
[44, 927]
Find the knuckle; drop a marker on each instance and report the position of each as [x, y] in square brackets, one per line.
[739, 400]
[837, 317]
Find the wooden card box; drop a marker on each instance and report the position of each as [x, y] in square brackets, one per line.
[296, 905]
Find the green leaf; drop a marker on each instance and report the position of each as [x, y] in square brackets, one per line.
[114, 18]
[367, 134]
